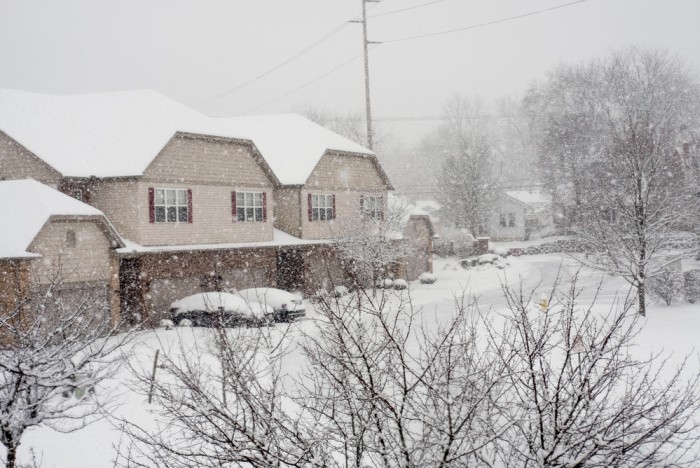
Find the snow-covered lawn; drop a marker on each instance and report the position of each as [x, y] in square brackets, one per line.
[673, 328]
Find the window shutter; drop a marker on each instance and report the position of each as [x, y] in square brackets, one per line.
[310, 213]
[362, 204]
[333, 206]
[381, 208]
[234, 210]
[264, 207]
[189, 205]
[151, 205]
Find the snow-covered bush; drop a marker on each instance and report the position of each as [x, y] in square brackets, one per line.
[427, 278]
[667, 285]
[488, 258]
[691, 286]
[400, 284]
[501, 252]
[340, 291]
[388, 283]
[167, 324]
[185, 323]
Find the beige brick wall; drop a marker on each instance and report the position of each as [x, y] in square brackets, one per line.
[16, 162]
[88, 261]
[212, 169]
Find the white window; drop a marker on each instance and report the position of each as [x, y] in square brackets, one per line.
[171, 206]
[322, 208]
[511, 219]
[373, 207]
[250, 206]
[503, 220]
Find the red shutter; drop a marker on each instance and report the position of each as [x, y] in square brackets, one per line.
[333, 207]
[362, 204]
[189, 205]
[309, 208]
[381, 207]
[264, 207]
[151, 205]
[234, 210]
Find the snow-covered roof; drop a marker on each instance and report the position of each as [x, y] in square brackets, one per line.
[405, 211]
[428, 205]
[279, 239]
[530, 197]
[26, 206]
[119, 134]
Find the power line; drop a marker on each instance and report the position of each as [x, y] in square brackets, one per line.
[405, 9]
[303, 85]
[480, 25]
[319, 41]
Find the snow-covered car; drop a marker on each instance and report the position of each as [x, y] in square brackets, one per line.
[220, 309]
[287, 306]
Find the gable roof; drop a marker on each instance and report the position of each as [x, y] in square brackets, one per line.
[26, 206]
[529, 197]
[119, 134]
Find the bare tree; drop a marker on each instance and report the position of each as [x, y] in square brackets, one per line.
[565, 124]
[395, 392]
[372, 241]
[637, 210]
[53, 356]
[467, 180]
[577, 397]
[220, 403]
[378, 383]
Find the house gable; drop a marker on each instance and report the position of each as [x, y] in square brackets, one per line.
[17, 162]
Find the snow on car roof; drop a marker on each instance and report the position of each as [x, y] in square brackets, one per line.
[211, 301]
[26, 206]
[119, 134]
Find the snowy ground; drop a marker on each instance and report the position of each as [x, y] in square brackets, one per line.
[673, 328]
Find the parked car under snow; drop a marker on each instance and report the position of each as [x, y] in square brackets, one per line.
[220, 309]
[287, 306]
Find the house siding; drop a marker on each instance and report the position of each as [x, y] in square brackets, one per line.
[87, 262]
[288, 210]
[211, 169]
[16, 162]
[348, 178]
[506, 233]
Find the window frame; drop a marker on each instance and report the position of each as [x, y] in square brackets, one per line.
[511, 220]
[327, 209]
[242, 208]
[177, 205]
[372, 207]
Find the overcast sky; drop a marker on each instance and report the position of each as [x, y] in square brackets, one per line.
[195, 50]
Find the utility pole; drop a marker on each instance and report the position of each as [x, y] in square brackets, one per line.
[365, 44]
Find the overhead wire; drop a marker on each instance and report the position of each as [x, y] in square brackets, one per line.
[405, 9]
[480, 25]
[303, 51]
[352, 59]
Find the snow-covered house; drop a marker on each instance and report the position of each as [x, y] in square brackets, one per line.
[519, 213]
[48, 238]
[415, 227]
[201, 203]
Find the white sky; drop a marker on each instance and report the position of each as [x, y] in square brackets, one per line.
[192, 50]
